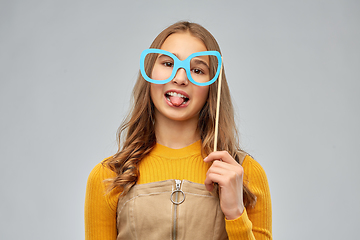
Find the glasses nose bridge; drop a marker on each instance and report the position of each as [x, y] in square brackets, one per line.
[182, 65]
[181, 74]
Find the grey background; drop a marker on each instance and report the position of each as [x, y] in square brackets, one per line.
[67, 69]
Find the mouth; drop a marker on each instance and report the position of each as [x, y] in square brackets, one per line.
[177, 99]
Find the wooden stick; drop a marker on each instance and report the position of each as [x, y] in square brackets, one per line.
[218, 108]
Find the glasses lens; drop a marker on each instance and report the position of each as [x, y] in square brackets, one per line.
[203, 68]
[163, 66]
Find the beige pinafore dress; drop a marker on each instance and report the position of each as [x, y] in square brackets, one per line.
[171, 209]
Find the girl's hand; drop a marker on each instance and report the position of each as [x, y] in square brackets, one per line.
[226, 172]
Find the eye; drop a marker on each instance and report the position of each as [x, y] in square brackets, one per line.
[197, 71]
[168, 64]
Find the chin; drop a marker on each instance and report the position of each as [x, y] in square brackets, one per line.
[182, 118]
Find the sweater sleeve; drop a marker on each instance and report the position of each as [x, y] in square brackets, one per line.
[256, 222]
[100, 207]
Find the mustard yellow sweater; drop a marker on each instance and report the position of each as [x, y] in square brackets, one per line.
[164, 163]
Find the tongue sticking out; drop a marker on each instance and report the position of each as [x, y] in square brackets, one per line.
[176, 101]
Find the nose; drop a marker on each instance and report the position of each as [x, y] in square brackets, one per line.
[181, 77]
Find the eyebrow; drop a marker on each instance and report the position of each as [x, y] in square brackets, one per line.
[199, 61]
[163, 55]
[169, 56]
[196, 60]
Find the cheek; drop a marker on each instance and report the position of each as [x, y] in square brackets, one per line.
[202, 93]
[155, 91]
[159, 73]
[154, 73]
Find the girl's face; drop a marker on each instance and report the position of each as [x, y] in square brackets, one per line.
[179, 99]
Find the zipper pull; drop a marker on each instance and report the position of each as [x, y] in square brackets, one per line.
[176, 192]
[177, 184]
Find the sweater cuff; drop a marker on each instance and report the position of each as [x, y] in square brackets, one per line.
[240, 228]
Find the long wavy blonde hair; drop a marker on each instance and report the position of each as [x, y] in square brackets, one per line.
[136, 135]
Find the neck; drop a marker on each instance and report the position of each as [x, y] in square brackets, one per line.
[176, 134]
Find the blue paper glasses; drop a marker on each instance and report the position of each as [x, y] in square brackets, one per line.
[202, 68]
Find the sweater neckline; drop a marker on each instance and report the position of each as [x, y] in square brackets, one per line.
[163, 151]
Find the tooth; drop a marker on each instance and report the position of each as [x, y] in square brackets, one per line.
[175, 94]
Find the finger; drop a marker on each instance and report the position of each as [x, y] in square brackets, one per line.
[226, 172]
[209, 186]
[225, 169]
[211, 179]
[221, 168]
[220, 155]
[215, 168]
[209, 183]
[214, 178]
[225, 166]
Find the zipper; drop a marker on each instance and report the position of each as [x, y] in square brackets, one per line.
[176, 202]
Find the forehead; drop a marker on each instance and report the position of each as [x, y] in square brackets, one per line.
[183, 45]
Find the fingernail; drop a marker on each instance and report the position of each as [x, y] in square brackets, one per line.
[205, 159]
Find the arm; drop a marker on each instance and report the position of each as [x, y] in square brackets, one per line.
[251, 223]
[254, 223]
[100, 208]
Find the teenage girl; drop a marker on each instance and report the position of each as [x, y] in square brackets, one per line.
[165, 181]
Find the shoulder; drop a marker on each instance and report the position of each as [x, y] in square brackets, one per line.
[254, 174]
[100, 173]
[251, 164]
[96, 189]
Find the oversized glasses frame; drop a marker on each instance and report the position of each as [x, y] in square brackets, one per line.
[185, 64]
